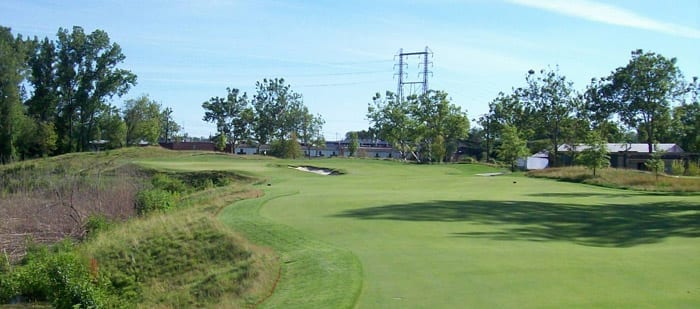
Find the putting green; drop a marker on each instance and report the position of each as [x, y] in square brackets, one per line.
[442, 237]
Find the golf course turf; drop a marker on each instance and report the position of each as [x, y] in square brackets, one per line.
[395, 235]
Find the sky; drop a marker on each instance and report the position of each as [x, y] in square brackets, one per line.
[338, 54]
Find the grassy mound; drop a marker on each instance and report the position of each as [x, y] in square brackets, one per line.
[174, 256]
[180, 260]
[621, 178]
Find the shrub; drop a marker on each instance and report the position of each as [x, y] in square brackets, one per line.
[286, 148]
[694, 168]
[96, 224]
[167, 183]
[57, 275]
[677, 167]
[155, 200]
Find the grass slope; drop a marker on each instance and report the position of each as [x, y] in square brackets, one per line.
[314, 274]
[439, 236]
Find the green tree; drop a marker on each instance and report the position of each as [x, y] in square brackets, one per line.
[419, 123]
[228, 114]
[311, 131]
[655, 163]
[36, 138]
[354, 144]
[438, 124]
[220, 142]
[43, 79]
[390, 117]
[87, 77]
[277, 109]
[12, 66]
[168, 127]
[552, 98]
[599, 109]
[112, 129]
[287, 148]
[686, 120]
[595, 156]
[512, 146]
[142, 118]
[643, 90]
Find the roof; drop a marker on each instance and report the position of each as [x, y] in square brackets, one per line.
[617, 147]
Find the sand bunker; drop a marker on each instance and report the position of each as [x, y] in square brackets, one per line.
[489, 174]
[315, 170]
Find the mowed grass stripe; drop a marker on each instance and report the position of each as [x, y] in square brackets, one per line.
[314, 274]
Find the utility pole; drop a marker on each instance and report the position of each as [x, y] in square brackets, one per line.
[424, 72]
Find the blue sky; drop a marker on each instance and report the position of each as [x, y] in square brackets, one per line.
[337, 54]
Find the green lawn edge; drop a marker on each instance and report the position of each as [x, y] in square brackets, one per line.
[314, 274]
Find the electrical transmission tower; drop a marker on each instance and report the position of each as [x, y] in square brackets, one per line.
[403, 75]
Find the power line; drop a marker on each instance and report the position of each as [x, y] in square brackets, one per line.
[403, 81]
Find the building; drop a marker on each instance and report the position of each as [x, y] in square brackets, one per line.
[632, 155]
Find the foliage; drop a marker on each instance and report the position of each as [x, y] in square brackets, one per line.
[37, 139]
[678, 167]
[655, 163]
[58, 275]
[552, 99]
[390, 117]
[642, 91]
[311, 134]
[142, 118]
[155, 200]
[168, 127]
[354, 144]
[418, 123]
[220, 141]
[278, 110]
[595, 156]
[113, 129]
[71, 80]
[12, 65]
[231, 116]
[86, 76]
[286, 148]
[170, 184]
[512, 146]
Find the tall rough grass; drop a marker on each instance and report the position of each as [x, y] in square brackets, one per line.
[48, 203]
[621, 178]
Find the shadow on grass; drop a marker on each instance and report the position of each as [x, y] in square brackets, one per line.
[615, 194]
[604, 226]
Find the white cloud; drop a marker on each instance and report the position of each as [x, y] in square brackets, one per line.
[609, 14]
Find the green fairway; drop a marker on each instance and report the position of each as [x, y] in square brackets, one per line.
[439, 236]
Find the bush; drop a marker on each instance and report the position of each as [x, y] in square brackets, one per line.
[677, 167]
[148, 201]
[57, 275]
[287, 148]
[693, 168]
[167, 183]
[96, 224]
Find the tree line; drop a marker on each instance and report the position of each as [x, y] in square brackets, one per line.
[55, 97]
[275, 115]
[426, 127]
[646, 101]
